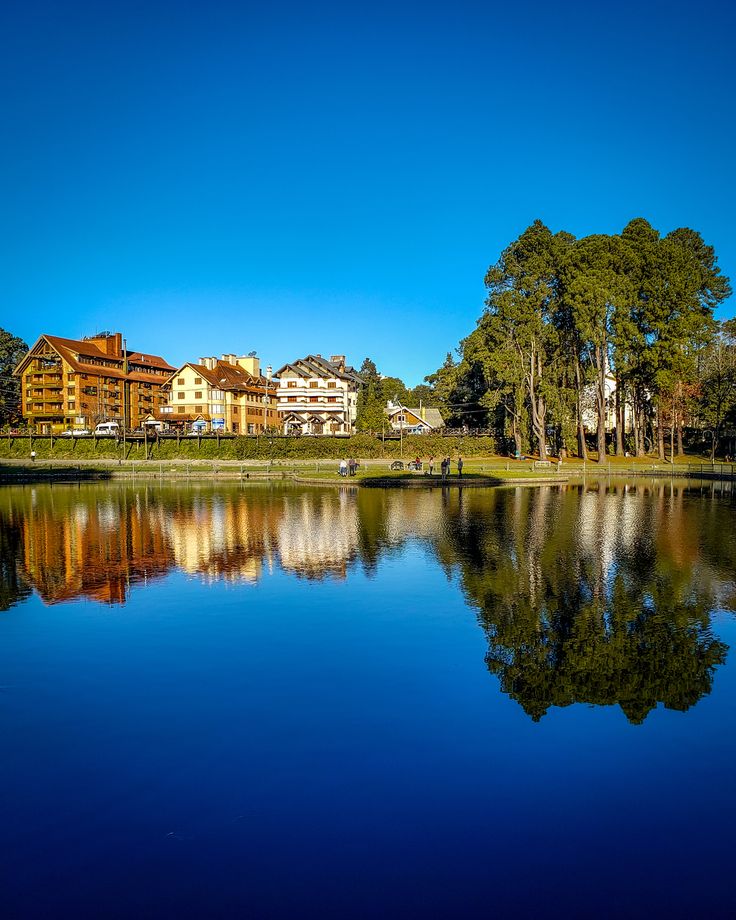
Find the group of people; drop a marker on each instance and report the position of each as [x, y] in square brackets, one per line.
[348, 467]
[445, 466]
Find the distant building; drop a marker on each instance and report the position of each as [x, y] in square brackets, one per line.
[413, 421]
[70, 383]
[590, 412]
[317, 396]
[229, 394]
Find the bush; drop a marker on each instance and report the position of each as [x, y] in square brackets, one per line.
[361, 446]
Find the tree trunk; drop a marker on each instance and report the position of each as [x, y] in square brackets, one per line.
[660, 435]
[672, 439]
[637, 431]
[620, 419]
[537, 406]
[680, 449]
[582, 445]
[601, 439]
[541, 428]
[516, 434]
[601, 403]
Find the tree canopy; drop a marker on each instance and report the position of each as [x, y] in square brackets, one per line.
[568, 322]
[12, 350]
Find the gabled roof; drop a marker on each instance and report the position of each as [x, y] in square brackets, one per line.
[75, 351]
[315, 366]
[226, 376]
[432, 417]
[172, 417]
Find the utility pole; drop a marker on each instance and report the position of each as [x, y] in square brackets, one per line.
[269, 372]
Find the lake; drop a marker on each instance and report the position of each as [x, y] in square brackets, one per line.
[280, 701]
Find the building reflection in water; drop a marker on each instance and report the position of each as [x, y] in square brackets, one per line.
[599, 593]
[318, 533]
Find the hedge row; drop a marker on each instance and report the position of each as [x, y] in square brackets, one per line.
[361, 446]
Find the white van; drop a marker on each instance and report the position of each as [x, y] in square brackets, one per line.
[107, 428]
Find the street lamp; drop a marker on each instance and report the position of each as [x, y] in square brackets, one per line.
[264, 398]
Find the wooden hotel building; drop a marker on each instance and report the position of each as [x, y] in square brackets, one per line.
[70, 383]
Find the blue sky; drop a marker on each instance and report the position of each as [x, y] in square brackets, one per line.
[336, 178]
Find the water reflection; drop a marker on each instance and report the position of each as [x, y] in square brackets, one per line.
[598, 594]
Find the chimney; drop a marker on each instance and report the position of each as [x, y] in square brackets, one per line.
[339, 361]
[251, 364]
[110, 343]
[422, 412]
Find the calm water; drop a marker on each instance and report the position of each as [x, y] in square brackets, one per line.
[280, 702]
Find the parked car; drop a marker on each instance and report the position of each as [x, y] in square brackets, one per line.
[107, 428]
[75, 432]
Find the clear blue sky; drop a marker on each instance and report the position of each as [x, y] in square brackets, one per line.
[296, 177]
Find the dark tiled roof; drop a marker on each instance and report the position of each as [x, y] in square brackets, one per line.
[319, 367]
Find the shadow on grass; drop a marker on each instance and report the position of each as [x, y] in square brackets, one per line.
[412, 480]
[32, 472]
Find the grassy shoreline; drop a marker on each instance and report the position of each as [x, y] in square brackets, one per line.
[477, 471]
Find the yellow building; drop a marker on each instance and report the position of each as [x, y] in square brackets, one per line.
[68, 384]
[229, 394]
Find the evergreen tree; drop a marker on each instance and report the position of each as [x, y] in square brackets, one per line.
[12, 350]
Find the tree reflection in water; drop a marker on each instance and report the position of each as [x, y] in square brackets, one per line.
[598, 594]
[583, 601]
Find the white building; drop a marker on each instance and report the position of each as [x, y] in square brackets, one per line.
[316, 396]
[590, 412]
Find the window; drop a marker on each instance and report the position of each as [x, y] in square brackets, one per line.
[198, 409]
[331, 385]
[291, 383]
[71, 390]
[198, 395]
[314, 399]
[70, 404]
[180, 395]
[291, 398]
[197, 380]
[180, 410]
[332, 399]
[313, 384]
[180, 381]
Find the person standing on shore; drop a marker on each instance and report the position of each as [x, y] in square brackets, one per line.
[460, 467]
[430, 465]
[343, 467]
